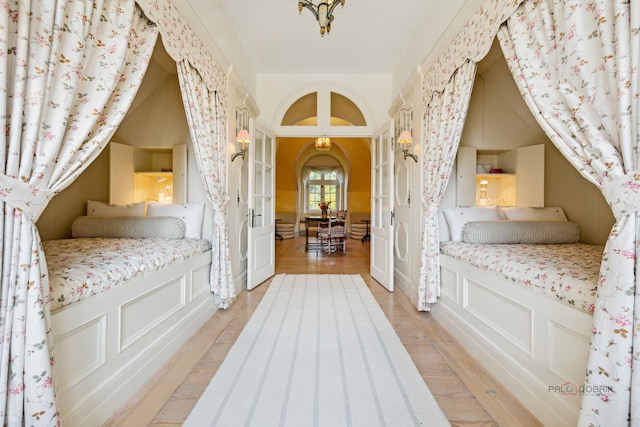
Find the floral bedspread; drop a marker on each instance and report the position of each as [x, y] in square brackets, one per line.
[88, 266]
[568, 272]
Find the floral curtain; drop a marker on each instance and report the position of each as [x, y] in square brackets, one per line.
[207, 125]
[577, 66]
[444, 121]
[440, 85]
[182, 43]
[204, 89]
[472, 42]
[69, 72]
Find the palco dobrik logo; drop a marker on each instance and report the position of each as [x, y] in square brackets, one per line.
[571, 389]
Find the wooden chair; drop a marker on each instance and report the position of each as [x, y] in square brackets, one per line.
[339, 231]
[333, 234]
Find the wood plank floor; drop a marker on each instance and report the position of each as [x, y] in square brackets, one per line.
[466, 393]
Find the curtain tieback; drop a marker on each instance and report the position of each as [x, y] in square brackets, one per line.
[622, 193]
[27, 198]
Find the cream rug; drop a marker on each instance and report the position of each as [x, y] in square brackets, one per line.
[318, 351]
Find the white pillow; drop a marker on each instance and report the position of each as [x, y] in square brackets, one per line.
[105, 209]
[191, 213]
[535, 214]
[458, 217]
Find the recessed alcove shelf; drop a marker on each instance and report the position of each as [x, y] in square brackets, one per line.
[521, 184]
[148, 174]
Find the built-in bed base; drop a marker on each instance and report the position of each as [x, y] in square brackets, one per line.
[534, 345]
[109, 345]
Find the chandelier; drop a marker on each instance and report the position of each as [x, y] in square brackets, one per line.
[323, 144]
[323, 12]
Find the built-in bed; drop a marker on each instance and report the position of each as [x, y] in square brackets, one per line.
[524, 310]
[121, 308]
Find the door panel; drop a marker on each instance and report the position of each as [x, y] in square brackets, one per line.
[261, 232]
[382, 188]
[121, 174]
[179, 163]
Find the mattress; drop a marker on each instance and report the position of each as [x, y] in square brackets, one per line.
[82, 267]
[567, 272]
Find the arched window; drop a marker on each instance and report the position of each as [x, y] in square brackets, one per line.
[305, 111]
[344, 112]
[322, 184]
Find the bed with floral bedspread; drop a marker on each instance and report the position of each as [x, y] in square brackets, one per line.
[568, 272]
[82, 267]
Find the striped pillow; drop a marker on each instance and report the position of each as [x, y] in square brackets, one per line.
[128, 227]
[532, 232]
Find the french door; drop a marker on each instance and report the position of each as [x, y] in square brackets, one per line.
[261, 204]
[382, 199]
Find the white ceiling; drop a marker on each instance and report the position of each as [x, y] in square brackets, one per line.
[367, 36]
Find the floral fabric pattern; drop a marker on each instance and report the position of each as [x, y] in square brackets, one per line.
[471, 43]
[207, 124]
[444, 121]
[204, 88]
[183, 45]
[577, 65]
[567, 272]
[68, 73]
[83, 267]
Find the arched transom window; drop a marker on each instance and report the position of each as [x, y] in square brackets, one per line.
[305, 111]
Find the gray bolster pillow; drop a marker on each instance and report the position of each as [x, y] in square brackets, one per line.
[167, 227]
[532, 232]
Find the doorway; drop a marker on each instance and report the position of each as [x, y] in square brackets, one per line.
[307, 173]
[343, 172]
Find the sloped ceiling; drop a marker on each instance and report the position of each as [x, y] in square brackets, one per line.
[160, 68]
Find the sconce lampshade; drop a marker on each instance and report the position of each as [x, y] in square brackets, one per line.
[243, 137]
[405, 138]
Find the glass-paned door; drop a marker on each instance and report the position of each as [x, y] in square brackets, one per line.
[382, 187]
[261, 235]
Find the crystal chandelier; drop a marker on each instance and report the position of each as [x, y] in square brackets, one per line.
[323, 144]
[323, 12]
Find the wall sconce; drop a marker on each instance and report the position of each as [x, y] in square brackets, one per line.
[483, 188]
[483, 201]
[405, 139]
[243, 138]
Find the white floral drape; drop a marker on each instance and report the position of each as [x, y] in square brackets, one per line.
[69, 72]
[577, 66]
[208, 131]
[182, 43]
[444, 120]
[470, 45]
[204, 89]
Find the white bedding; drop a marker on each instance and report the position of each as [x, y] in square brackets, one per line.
[568, 272]
[88, 266]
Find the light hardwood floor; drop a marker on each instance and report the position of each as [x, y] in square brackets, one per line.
[466, 393]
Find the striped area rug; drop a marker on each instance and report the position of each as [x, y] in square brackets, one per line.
[318, 351]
